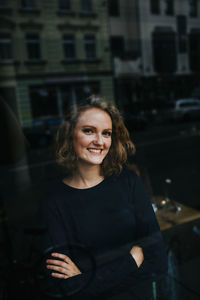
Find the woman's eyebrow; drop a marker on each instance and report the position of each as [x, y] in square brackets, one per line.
[94, 127]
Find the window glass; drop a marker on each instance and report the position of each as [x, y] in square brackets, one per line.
[193, 8]
[86, 5]
[117, 46]
[113, 8]
[194, 48]
[155, 6]
[65, 5]
[5, 48]
[164, 51]
[69, 46]
[29, 4]
[90, 46]
[169, 9]
[3, 3]
[33, 47]
[143, 56]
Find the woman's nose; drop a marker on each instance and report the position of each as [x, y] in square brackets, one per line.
[98, 139]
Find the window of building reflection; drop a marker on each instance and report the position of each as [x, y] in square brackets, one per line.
[164, 50]
[193, 8]
[6, 48]
[90, 46]
[28, 4]
[3, 3]
[113, 8]
[86, 6]
[65, 5]
[33, 47]
[49, 103]
[117, 46]
[155, 6]
[169, 7]
[69, 47]
[194, 46]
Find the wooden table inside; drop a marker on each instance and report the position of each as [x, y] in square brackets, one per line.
[168, 216]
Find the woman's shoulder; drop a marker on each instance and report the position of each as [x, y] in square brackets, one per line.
[127, 177]
[129, 172]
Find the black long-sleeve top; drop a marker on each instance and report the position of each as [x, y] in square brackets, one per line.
[96, 227]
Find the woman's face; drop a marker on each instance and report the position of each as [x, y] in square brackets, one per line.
[92, 136]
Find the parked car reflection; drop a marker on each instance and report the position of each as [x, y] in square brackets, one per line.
[180, 110]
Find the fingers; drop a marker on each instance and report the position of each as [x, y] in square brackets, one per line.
[64, 266]
[58, 275]
[59, 263]
[59, 266]
[58, 269]
[62, 256]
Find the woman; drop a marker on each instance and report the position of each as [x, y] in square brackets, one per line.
[103, 240]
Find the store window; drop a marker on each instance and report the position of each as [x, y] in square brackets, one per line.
[6, 52]
[28, 4]
[144, 57]
[90, 47]
[193, 8]
[65, 5]
[155, 6]
[43, 103]
[113, 8]
[33, 47]
[169, 7]
[86, 6]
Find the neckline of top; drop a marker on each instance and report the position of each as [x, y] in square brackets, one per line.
[85, 189]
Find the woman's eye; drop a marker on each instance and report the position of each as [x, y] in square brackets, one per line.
[87, 130]
[107, 133]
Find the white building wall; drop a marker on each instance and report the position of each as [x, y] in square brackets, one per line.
[148, 23]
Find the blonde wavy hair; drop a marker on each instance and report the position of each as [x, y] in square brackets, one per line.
[121, 146]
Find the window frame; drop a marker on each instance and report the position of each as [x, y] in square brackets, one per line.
[169, 10]
[27, 5]
[6, 42]
[30, 42]
[193, 8]
[86, 8]
[113, 8]
[65, 9]
[155, 10]
[3, 4]
[90, 41]
[69, 40]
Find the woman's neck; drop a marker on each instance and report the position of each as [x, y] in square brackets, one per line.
[85, 177]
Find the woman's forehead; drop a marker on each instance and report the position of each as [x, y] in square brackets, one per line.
[94, 116]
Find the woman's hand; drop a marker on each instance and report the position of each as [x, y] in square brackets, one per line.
[64, 267]
[138, 255]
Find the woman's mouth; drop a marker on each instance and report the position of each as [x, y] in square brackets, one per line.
[96, 151]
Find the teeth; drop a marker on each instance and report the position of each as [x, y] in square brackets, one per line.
[95, 150]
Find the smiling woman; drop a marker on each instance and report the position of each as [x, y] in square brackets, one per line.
[102, 240]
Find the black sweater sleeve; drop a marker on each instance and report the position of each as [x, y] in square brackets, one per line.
[121, 273]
